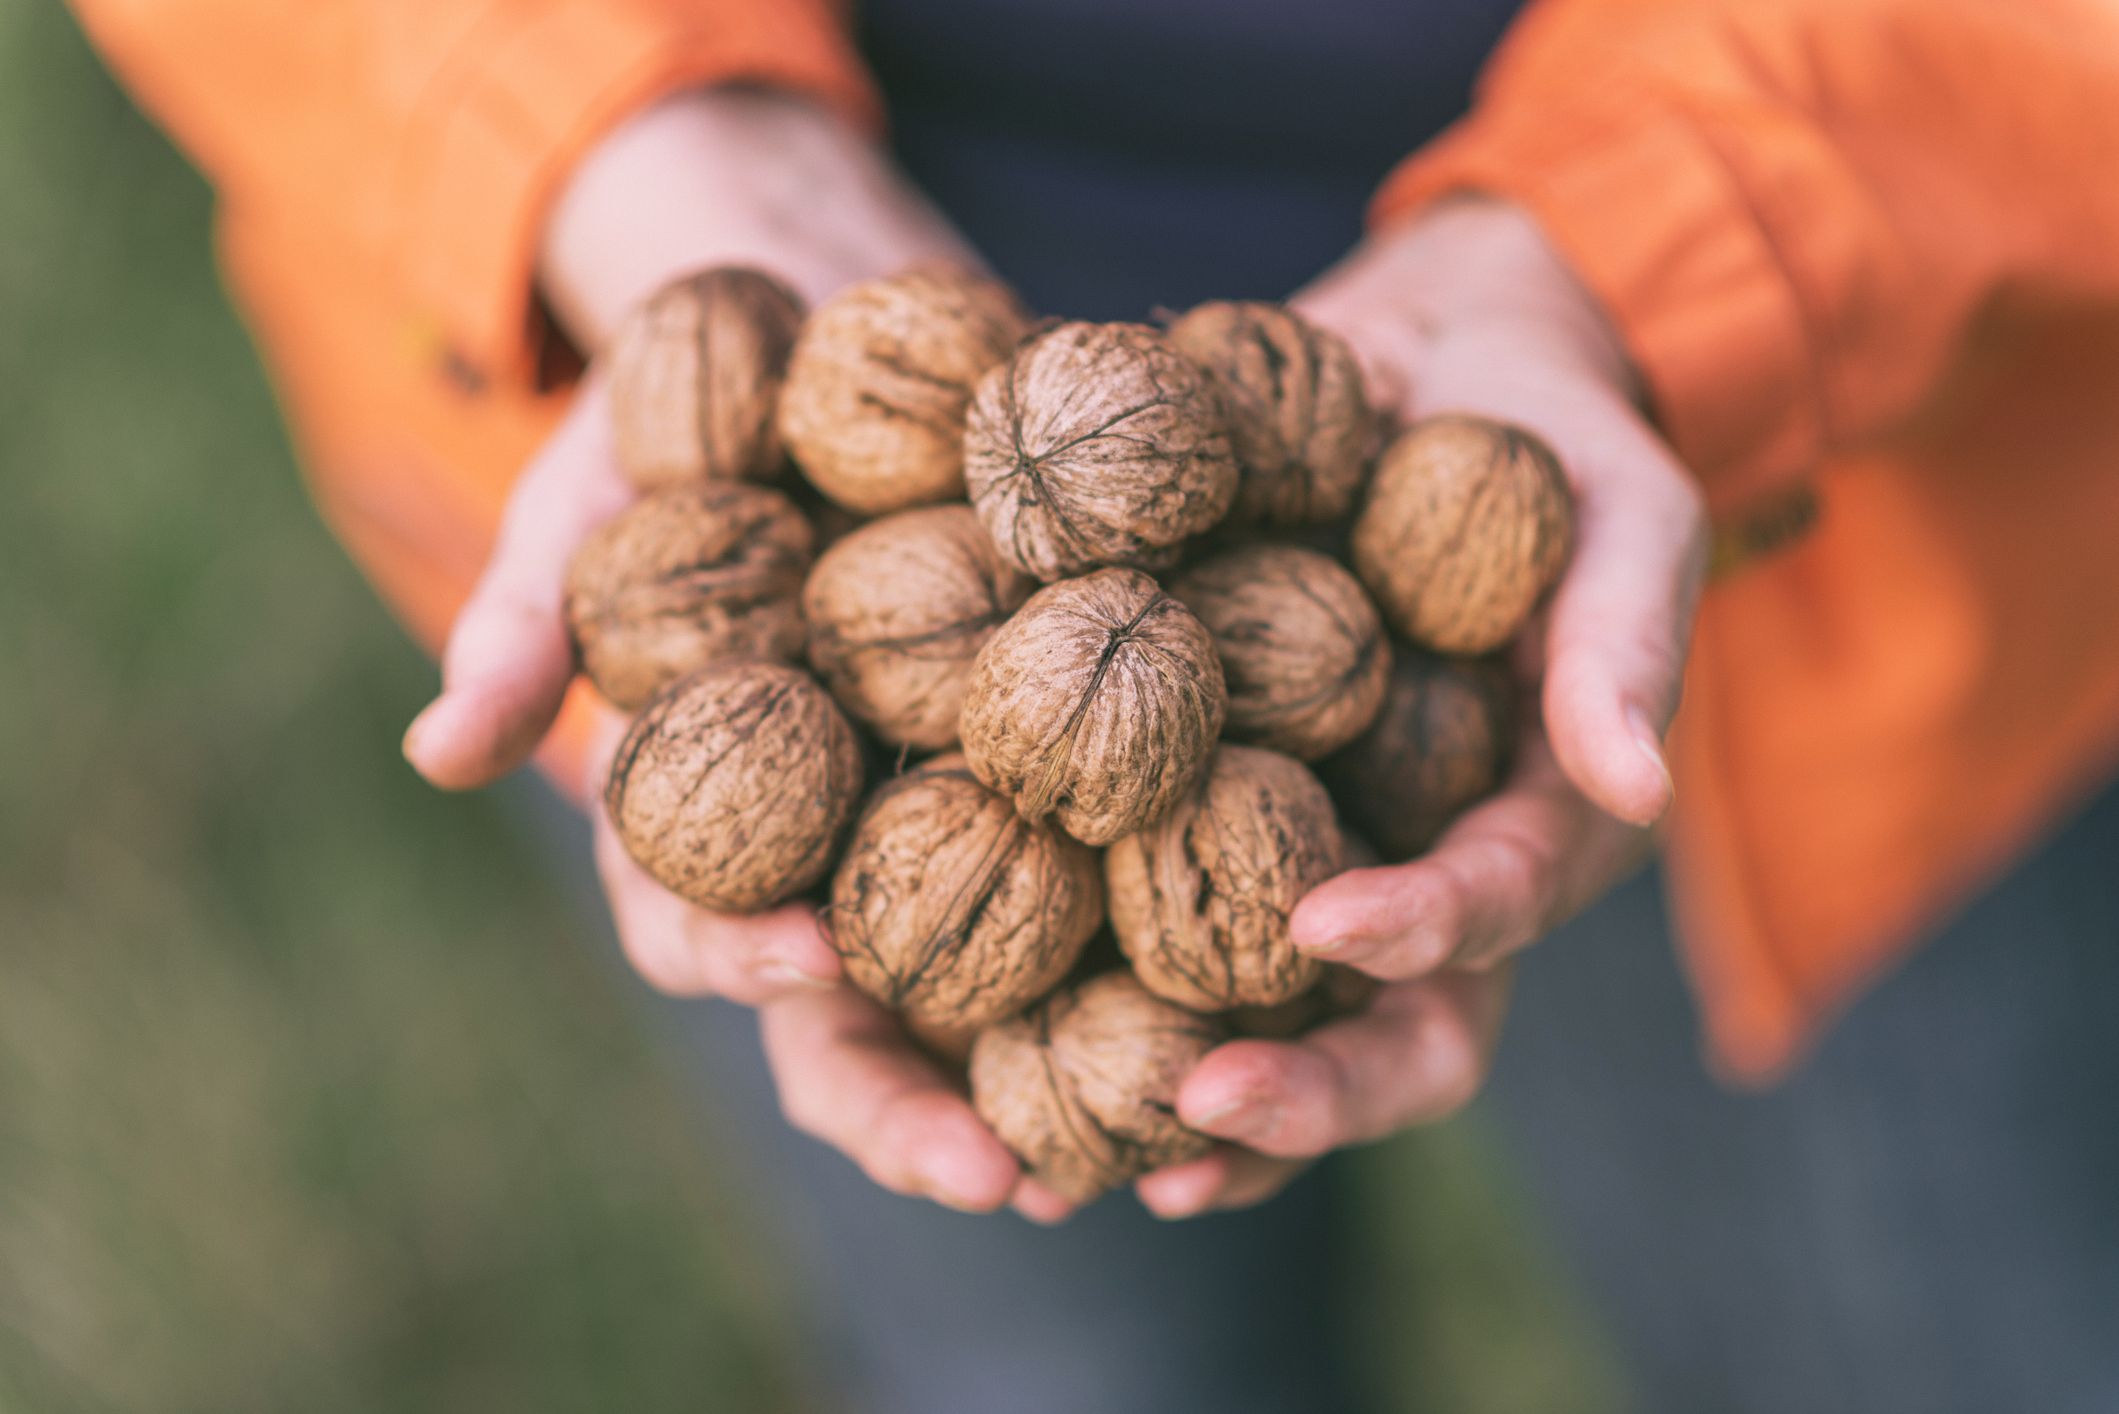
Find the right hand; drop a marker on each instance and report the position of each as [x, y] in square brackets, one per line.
[723, 177]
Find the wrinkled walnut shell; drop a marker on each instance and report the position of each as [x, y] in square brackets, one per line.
[1200, 901]
[695, 374]
[897, 613]
[1097, 444]
[1084, 1088]
[1468, 523]
[1096, 704]
[1299, 419]
[1441, 742]
[1301, 646]
[733, 785]
[683, 578]
[873, 406]
[952, 909]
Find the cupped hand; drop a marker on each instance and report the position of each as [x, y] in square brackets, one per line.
[1469, 310]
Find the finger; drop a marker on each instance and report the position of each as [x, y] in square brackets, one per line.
[509, 660]
[1417, 1055]
[1620, 624]
[1033, 1200]
[847, 1075]
[686, 951]
[1224, 1180]
[1505, 874]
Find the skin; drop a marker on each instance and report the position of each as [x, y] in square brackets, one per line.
[1465, 308]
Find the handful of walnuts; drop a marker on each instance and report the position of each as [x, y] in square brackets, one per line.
[1118, 750]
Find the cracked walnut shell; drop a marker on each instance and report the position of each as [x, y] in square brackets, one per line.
[1097, 444]
[1096, 704]
[1200, 902]
[733, 785]
[683, 578]
[952, 909]
[1084, 1088]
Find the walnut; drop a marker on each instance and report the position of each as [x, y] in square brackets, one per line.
[734, 784]
[1301, 646]
[695, 372]
[954, 910]
[1200, 902]
[1440, 743]
[873, 408]
[685, 577]
[1299, 419]
[897, 613]
[1467, 524]
[1084, 1088]
[1097, 704]
[1097, 444]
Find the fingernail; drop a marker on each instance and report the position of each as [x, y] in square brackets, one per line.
[943, 1187]
[1342, 947]
[782, 973]
[415, 734]
[1237, 1118]
[1651, 744]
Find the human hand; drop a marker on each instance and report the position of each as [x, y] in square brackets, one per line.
[1467, 309]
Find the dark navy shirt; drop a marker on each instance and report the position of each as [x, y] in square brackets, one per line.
[1113, 156]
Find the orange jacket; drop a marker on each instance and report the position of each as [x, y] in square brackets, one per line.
[1866, 253]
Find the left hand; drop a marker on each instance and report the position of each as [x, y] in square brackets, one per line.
[1468, 309]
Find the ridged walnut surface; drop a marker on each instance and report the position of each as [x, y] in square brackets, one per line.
[1299, 419]
[1084, 1088]
[897, 613]
[1441, 742]
[1097, 444]
[1200, 902]
[873, 407]
[734, 784]
[683, 578]
[1096, 704]
[1302, 648]
[1467, 524]
[954, 910]
[695, 375]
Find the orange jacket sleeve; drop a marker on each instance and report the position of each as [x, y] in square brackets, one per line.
[429, 133]
[1796, 210]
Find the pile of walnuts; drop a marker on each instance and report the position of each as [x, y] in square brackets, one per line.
[1063, 730]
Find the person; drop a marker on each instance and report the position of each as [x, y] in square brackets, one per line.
[1818, 300]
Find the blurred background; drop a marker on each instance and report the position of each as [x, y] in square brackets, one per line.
[313, 1094]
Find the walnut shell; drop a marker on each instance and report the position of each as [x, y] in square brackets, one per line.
[695, 373]
[1084, 1088]
[897, 613]
[1097, 444]
[734, 784]
[1299, 418]
[1301, 646]
[1468, 523]
[1097, 704]
[685, 577]
[954, 910]
[873, 407]
[1440, 743]
[1200, 901]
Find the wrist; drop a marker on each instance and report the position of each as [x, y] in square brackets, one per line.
[729, 176]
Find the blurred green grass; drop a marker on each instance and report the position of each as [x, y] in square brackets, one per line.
[310, 1097]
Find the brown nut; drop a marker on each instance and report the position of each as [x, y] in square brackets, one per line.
[695, 374]
[1200, 901]
[733, 785]
[952, 909]
[1084, 1088]
[1299, 419]
[1441, 742]
[897, 613]
[1097, 704]
[873, 407]
[1097, 444]
[683, 578]
[1468, 523]
[1301, 646]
